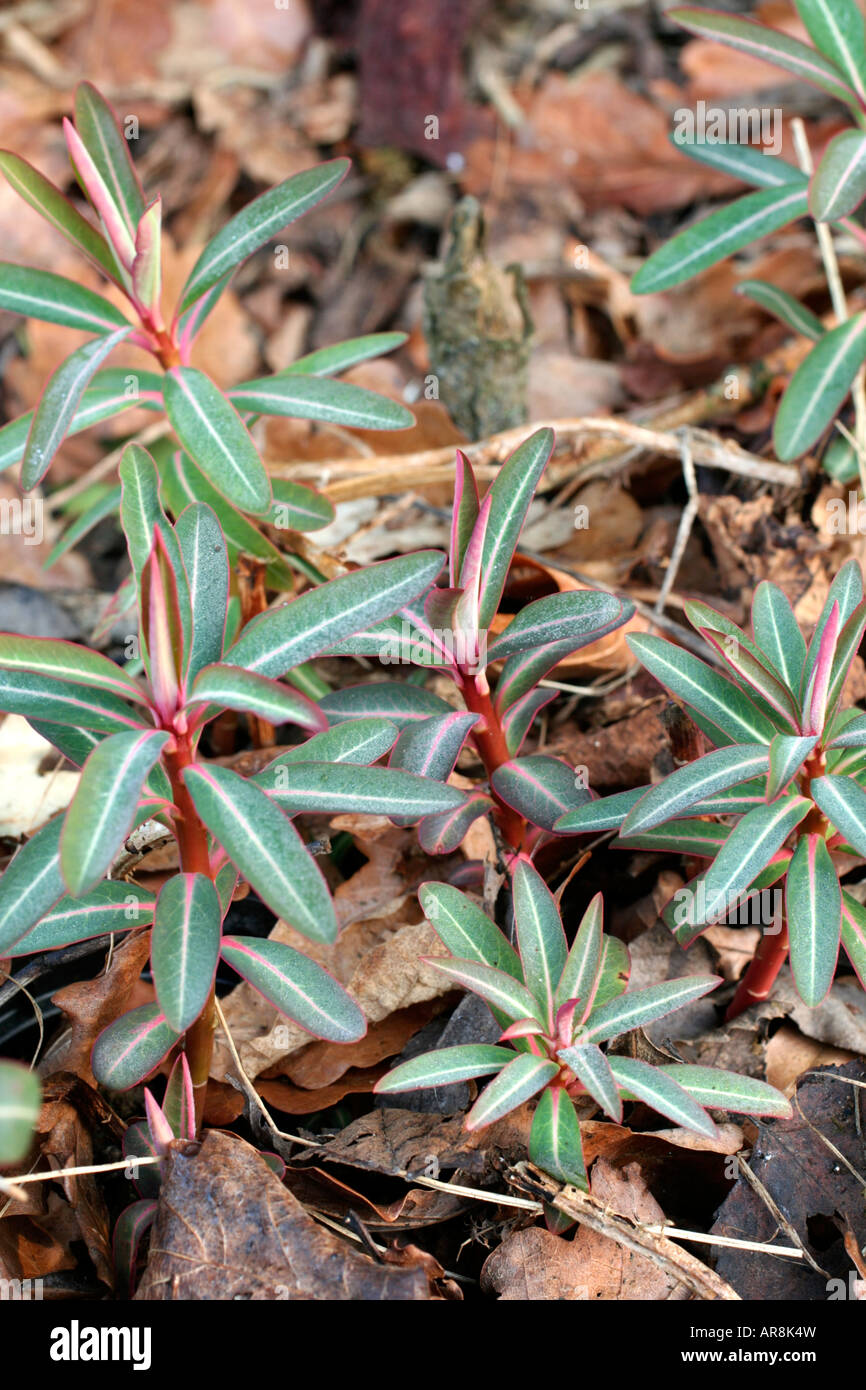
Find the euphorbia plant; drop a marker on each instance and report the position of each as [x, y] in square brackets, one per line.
[220, 462]
[448, 627]
[559, 1008]
[832, 195]
[139, 748]
[781, 797]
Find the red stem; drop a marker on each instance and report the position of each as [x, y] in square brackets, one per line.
[492, 747]
[761, 973]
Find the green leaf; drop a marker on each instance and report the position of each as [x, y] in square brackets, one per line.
[203, 552]
[445, 1067]
[847, 646]
[554, 1140]
[319, 398]
[60, 399]
[233, 688]
[843, 802]
[836, 29]
[20, 1101]
[742, 162]
[102, 811]
[50, 203]
[813, 906]
[298, 508]
[854, 934]
[749, 848]
[726, 1090]
[838, 185]
[695, 837]
[516, 1083]
[265, 847]
[333, 788]
[65, 661]
[39, 294]
[466, 931]
[521, 672]
[330, 361]
[853, 735]
[577, 617]
[681, 790]
[766, 688]
[400, 702]
[784, 307]
[131, 1227]
[64, 702]
[818, 388]
[185, 946]
[540, 936]
[778, 633]
[711, 694]
[110, 907]
[725, 231]
[210, 429]
[639, 1007]
[603, 813]
[659, 1089]
[502, 991]
[276, 641]
[592, 1070]
[788, 752]
[255, 224]
[31, 884]
[539, 787]
[768, 44]
[444, 832]
[430, 747]
[97, 125]
[360, 741]
[297, 986]
[581, 972]
[846, 591]
[615, 971]
[510, 495]
[75, 744]
[129, 1049]
[141, 512]
[517, 721]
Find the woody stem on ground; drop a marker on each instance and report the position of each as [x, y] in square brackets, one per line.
[194, 859]
[489, 739]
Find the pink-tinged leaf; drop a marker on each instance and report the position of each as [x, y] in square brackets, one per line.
[815, 703]
[178, 1102]
[743, 664]
[130, 1229]
[128, 1050]
[233, 688]
[523, 1028]
[682, 790]
[592, 1070]
[847, 647]
[582, 971]
[575, 616]
[554, 1140]
[185, 946]
[843, 802]
[467, 609]
[463, 516]
[111, 907]
[524, 669]
[51, 204]
[444, 832]
[638, 1007]
[58, 404]
[65, 702]
[297, 986]
[788, 752]
[540, 788]
[113, 220]
[725, 1090]
[563, 1023]
[748, 850]
[516, 1083]
[517, 721]
[686, 916]
[854, 934]
[510, 495]
[502, 991]
[66, 661]
[160, 1130]
[466, 931]
[446, 1066]
[97, 124]
[540, 935]
[40, 294]
[147, 265]
[813, 907]
[162, 627]
[213, 433]
[658, 1089]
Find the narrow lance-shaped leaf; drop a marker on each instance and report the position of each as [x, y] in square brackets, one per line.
[540, 787]
[110, 907]
[778, 633]
[726, 1090]
[102, 812]
[297, 986]
[20, 1098]
[361, 741]
[768, 689]
[131, 1227]
[659, 1089]
[518, 720]
[712, 695]
[430, 748]
[398, 701]
[338, 357]
[164, 638]
[147, 265]
[185, 946]
[463, 516]
[511, 493]
[319, 398]
[203, 551]
[582, 970]
[554, 1140]
[854, 934]
[574, 617]
[39, 294]
[65, 661]
[784, 307]
[725, 231]
[838, 185]
[525, 669]
[51, 204]
[695, 837]
[813, 906]
[58, 404]
[853, 735]
[211, 430]
[516, 1083]
[682, 789]
[788, 752]
[815, 701]
[749, 848]
[276, 641]
[129, 1049]
[501, 990]
[445, 1067]
[847, 646]
[255, 224]
[97, 125]
[445, 831]
[31, 884]
[743, 162]
[836, 29]
[818, 387]
[334, 788]
[466, 931]
[602, 813]
[265, 847]
[592, 1070]
[770, 45]
[846, 591]
[299, 508]
[65, 702]
[178, 1103]
[843, 802]
[639, 1007]
[540, 935]
[233, 688]
[120, 232]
